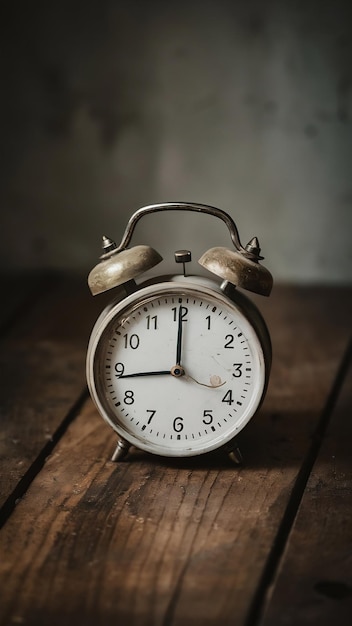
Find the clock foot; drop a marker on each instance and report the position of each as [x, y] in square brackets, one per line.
[236, 456]
[121, 450]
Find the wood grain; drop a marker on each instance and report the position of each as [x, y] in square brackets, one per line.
[42, 373]
[144, 541]
[314, 581]
[158, 542]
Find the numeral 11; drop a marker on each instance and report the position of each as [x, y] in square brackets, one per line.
[152, 322]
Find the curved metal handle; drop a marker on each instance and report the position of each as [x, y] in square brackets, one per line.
[182, 206]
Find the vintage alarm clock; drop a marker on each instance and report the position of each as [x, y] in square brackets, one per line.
[178, 365]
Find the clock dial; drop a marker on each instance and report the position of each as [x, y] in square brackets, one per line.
[179, 370]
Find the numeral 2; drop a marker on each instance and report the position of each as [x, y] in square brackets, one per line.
[229, 339]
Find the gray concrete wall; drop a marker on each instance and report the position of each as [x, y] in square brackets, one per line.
[108, 106]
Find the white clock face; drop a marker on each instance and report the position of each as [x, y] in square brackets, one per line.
[176, 370]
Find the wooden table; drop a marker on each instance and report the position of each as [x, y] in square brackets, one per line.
[157, 542]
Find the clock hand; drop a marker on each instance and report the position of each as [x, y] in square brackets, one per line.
[178, 371]
[179, 337]
[158, 373]
[215, 385]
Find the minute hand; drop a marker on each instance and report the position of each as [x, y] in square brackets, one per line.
[158, 373]
[179, 337]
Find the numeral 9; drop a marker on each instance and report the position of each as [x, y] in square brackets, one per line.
[119, 369]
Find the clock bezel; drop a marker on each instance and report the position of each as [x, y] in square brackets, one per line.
[180, 286]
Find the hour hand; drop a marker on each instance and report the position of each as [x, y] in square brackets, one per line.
[135, 374]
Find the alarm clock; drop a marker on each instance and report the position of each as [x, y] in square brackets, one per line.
[177, 365]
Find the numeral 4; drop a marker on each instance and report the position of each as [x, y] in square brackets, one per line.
[228, 397]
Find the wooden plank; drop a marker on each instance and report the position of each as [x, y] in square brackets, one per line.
[314, 581]
[141, 542]
[150, 541]
[42, 376]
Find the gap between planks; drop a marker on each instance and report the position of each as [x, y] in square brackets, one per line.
[34, 469]
[280, 542]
